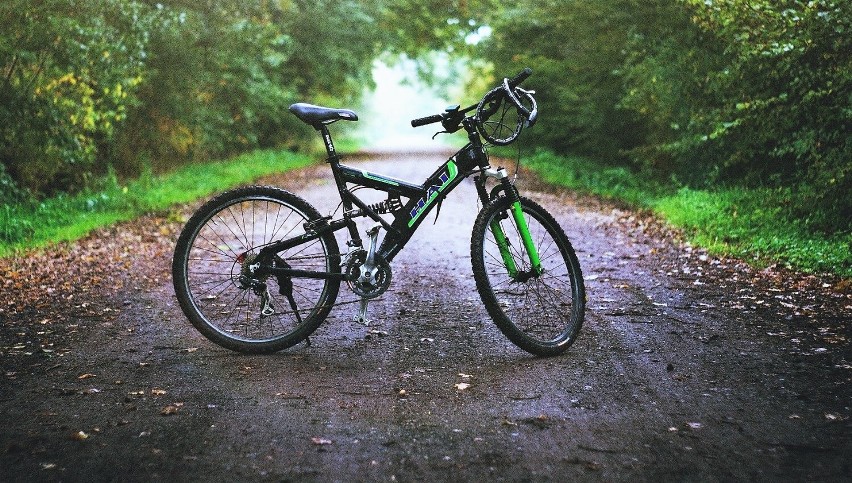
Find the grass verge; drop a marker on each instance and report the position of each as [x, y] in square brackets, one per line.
[26, 225]
[756, 225]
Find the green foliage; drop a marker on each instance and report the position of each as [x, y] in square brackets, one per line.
[778, 105]
[420, 27]
[760, 225]
[576, 49]
[89, 84]
[705, 93]
[696, 93]
[27, 223]
[590, 176]
[69, 73]
[222, 75]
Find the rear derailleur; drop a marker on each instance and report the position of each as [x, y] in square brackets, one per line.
[252, 277]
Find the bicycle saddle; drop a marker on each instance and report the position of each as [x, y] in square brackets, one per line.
[315, 115]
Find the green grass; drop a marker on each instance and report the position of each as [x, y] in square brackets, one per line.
[64, 218]
[759, 226]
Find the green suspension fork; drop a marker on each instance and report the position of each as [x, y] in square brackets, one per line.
[503, 243]
[532, 251]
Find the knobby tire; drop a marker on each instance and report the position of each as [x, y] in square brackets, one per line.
[541, 314]
[211, 254]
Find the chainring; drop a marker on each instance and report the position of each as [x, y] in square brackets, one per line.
[353, 273]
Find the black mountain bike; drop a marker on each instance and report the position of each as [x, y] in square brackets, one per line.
[258, 269]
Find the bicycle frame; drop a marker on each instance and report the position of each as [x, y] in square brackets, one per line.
[422, 199]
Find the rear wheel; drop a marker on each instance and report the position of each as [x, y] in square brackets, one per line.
[540, 311]
[216, 261]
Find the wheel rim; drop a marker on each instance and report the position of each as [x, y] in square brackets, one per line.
[218, 252]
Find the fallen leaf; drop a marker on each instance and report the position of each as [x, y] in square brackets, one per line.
[86, 375]
[462, 386]
[79, 436]
[171, 409]
[694, 425]
[321, 441]
[402, 393]
[157, 392]
[91, 390]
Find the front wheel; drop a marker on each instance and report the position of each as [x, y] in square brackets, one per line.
[225, 288]
[538, 302]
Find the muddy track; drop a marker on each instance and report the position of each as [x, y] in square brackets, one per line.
[688, 367]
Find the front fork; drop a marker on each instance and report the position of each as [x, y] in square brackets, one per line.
[517, 214]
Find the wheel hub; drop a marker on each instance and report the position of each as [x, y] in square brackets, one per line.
[248, 265]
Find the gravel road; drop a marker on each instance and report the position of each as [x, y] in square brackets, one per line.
[688, 367]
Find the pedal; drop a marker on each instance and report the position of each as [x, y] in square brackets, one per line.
[361, 316]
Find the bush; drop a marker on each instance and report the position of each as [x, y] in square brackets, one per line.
[760, 225]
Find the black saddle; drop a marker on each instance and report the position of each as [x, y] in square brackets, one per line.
[317, 115]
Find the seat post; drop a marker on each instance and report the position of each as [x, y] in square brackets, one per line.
[345, 195]
[329, 144]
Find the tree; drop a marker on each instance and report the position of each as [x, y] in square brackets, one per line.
[782, 114]
[70, 71]
[93, 84]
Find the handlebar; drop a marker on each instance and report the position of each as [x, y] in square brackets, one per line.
[427, 120]
[508, 85]
[522, 76]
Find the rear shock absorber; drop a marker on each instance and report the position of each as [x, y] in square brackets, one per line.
[388, 206]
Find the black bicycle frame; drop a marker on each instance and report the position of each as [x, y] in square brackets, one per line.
[422, 199]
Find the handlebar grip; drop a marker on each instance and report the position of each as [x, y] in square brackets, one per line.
[427, 120]
[522, 76]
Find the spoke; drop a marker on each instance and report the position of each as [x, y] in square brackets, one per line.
[219, 220]
[219, 281]
[283, 224]
[239, 226]
[225, 285]
[305, 247]
[211, 226]
[209, 260]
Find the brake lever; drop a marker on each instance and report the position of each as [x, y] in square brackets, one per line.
[457, 129]
[533, 113]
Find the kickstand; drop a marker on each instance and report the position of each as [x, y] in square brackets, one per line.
[361, 317]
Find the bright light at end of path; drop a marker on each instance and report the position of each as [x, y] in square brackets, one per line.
[385, 120]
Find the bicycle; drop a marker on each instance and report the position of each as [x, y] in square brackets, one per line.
[258, 269]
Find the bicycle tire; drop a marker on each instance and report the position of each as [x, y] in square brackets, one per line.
[543, 314]
[211, 255]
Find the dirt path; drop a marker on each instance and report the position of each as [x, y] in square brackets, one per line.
[688, 368]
